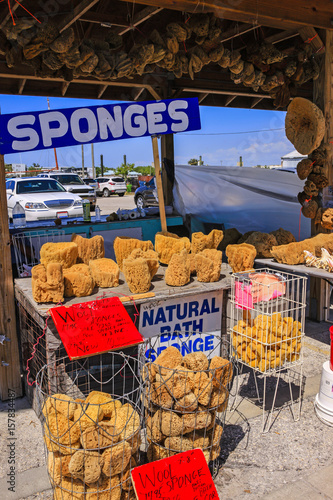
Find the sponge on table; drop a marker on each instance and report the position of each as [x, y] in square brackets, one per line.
[208, 265]
[202, 241]
[150, 256]
[78, 281]
[47, 283]
[123, 247]
[105, 272]
[167, 244]
[63, 253]
[137, 274]
[241, 257]
[89, 249]
[178, 272]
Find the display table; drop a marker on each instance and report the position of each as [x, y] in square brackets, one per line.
[196, 306]
[317, 313]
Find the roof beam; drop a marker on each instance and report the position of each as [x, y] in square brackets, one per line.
[230, 99]
[289, 14]
[78, 11]
[237, 30]
[153, 92]
[256, 101]
[21, 86]
[311, 36]
[64, 88]
[104, 17]
[101, 91]
[138, 93]
[280, 37]
[203, 96]
[139, 18]
[235, 93]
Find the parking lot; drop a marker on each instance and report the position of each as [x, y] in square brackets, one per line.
[111, 204]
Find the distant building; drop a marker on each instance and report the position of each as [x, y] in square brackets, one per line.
[19, 167]
[291, 159]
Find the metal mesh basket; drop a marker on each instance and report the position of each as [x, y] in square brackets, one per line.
[91, 426]
[267, 319]
[27, 247]
[185, 394]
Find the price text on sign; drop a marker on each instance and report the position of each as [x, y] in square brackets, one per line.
[95, 327]
[183, 476]
[73, 126]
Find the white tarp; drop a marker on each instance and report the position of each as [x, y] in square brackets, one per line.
[246, 198]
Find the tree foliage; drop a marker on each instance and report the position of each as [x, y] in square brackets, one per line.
[193, 161]
[124, 169]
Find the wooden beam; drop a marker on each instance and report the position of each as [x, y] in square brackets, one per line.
[177, 93]
[101, 91]
[8, 16]
[78, 11]
[139, 18]
[203, 96]
[225, 92]
[104, 17]
[21, 86]
[310, 35]
[64, 88]
[256, 101]
[229, 100]
[153, 92]
[236, 31]
[138, 93]
[159, 182]
[289, 14]
[282, 36]
[10, 376]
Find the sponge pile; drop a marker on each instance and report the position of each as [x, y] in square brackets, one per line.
[92, 445]
[183, 398]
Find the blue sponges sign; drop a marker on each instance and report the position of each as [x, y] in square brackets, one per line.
[22, 132]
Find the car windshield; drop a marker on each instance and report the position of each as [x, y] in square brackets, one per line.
[39, 186]
[117, 179]
[68, 179]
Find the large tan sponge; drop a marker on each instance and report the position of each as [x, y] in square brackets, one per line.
[241, 257]
[178, 272]
[293, 253]
[150, 256]
[208, 265]
[123, 247]
[202, 241]
[89, 249]
[47, 283]
[105, 272]
[63, 253]
[78, 281]
[137, 274]
[167, 244]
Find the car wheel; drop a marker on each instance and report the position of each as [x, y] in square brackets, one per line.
[106, 193]
[121, 194]
[140, 202]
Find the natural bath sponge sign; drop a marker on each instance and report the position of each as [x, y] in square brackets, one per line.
[305, 125]
[185, 475]
[95, 327]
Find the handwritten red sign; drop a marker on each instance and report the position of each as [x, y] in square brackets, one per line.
[183, 476]
[94, 327]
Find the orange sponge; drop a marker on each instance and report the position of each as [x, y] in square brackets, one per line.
[202, 241]
[167, 244]
[123, 247]
[89, 249]
[47, 283]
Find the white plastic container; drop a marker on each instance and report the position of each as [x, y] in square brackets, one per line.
[19, 215]
[324, 399]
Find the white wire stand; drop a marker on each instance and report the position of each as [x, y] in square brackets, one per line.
[267, 335]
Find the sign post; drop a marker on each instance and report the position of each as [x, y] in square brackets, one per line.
[158, 175]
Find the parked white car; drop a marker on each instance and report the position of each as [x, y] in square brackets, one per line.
[111, 185]
[42, 198]
[74, 184]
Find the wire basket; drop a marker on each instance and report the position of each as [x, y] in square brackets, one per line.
[26, 247]
[267, 319]
[185, 394]
[91, 426]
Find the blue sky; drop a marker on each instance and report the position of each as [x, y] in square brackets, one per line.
[218, 142]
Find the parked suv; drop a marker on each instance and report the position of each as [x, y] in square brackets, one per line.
[74, 184]
[146, 195]
[111, 185]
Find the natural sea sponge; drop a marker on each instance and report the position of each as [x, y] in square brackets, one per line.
[127, 421]
[57, 466]
[78, 281]
[187, 403]
[61, 403]
[167, 244]
[293, 253]
[283, 237]
[221, 370]
[88, 415]
[171, 424]
[218, 398]
[123, 247]
[47, 283]
[208, 265]
[156, 452]
[263, 242]
[150, 256]
[169, 358]
[181, 382]
[196, 361]
[100, 436]
[198, 420]
[106, 488]
[202, 387]
[230, 237]
[178, 272]
[89, 249]
[86, 465]
[241, 257]
[160, 395]
[53, 446]
[116, 459]
[63, 253]
[69, 489]
[109, 405]
[61, 430]
[201, 241]
[137, 275]
[304, 168]
[105, 272]
[153, 424]
[178, 443]
[305, 125]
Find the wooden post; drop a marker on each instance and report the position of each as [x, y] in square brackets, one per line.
[10, 376]
[167, 151]
[323, 98]
[159, 184]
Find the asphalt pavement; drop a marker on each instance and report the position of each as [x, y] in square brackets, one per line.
[113, 202]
